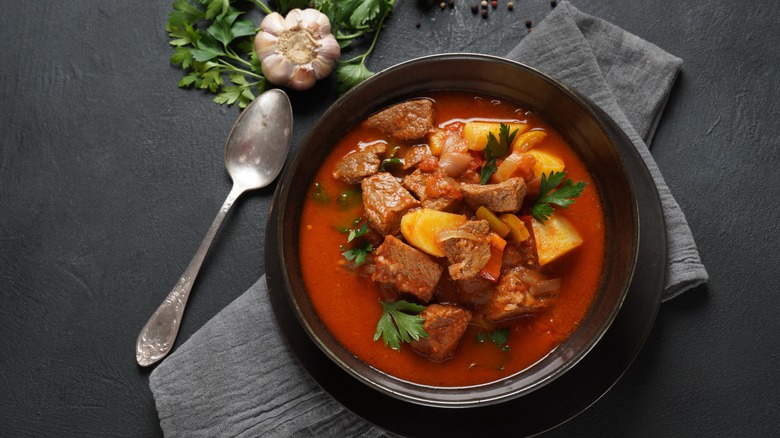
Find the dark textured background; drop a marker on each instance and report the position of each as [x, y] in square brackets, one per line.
[110, 176]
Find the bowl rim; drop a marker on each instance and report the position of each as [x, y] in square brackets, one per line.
[443, 396]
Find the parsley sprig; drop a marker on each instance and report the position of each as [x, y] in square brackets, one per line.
[214, 42]
[400, 322]
[563, 196]
[496, 148]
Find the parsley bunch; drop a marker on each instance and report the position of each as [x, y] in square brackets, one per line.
[214, 42]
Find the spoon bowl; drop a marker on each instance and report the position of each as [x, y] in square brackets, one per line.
[255, 153]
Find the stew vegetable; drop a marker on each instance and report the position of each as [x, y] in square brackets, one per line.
[452, 239]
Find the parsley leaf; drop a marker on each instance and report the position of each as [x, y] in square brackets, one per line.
[496, 148]
[562, 197]
[211, 42]
[400, 322]
[359, 251]
[498, 336]
[351, 73]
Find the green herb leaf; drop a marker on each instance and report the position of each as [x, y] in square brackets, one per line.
[350, 74]
[563, 196]
[390, 162]
[210, 41]
[357, 232]
[320, 195]
[496, 148]
[498, 336]
[349, 198]
[358, 254]
[359, 251]
[400, 322]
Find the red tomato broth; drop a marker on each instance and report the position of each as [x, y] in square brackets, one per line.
[348, 303]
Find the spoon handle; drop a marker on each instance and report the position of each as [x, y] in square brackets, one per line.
[157, 337]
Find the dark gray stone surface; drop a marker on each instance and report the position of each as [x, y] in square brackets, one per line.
[110, 176]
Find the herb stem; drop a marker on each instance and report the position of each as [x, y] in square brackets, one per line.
[379, 27]
[230, 66]
[266, 10]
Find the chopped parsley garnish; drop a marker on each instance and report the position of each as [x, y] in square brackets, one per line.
[320, 195]
[562, 197]
[496, 148]
[349, 198]
[498, 336]
[359, 251]
[400, 321]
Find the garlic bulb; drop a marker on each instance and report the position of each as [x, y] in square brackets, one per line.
[297, 50]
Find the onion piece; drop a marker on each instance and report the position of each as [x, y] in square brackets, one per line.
[455, 233]
[454, 143]
[454, 163]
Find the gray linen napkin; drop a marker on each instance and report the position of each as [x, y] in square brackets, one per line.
[236, 377]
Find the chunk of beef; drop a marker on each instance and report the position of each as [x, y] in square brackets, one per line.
[504, 197]
[386, 201]
[434, 189]
[410, 120]
[471, 293]
[354, 167]
[407, 269]
[519, 292]
[467, 248]
[445, 325]
[415, 155]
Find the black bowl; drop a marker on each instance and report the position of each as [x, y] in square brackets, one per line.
[577, 119]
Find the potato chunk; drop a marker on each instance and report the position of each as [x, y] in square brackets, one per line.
[420, 227]
[476, 133]
[545, 162]
[554, 238]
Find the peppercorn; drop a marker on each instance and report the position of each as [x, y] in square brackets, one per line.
[484, 4]
[474, 8]
[442, 6]
[417, 24]
[528, 23]
[494, 4]
[451, 4]
[510, 6]
[553, 3]
[484, 13]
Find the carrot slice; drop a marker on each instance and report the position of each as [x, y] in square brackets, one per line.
[492, 270]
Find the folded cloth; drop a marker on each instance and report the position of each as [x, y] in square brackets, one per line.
[630, 79]
[236, 377]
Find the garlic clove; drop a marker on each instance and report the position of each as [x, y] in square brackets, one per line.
[328, 48]
[293, 19]
[302, 78]
[273, 23]
[277, 68]
[316, 22]
[265, 44]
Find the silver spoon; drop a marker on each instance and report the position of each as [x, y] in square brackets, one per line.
[254, 155]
